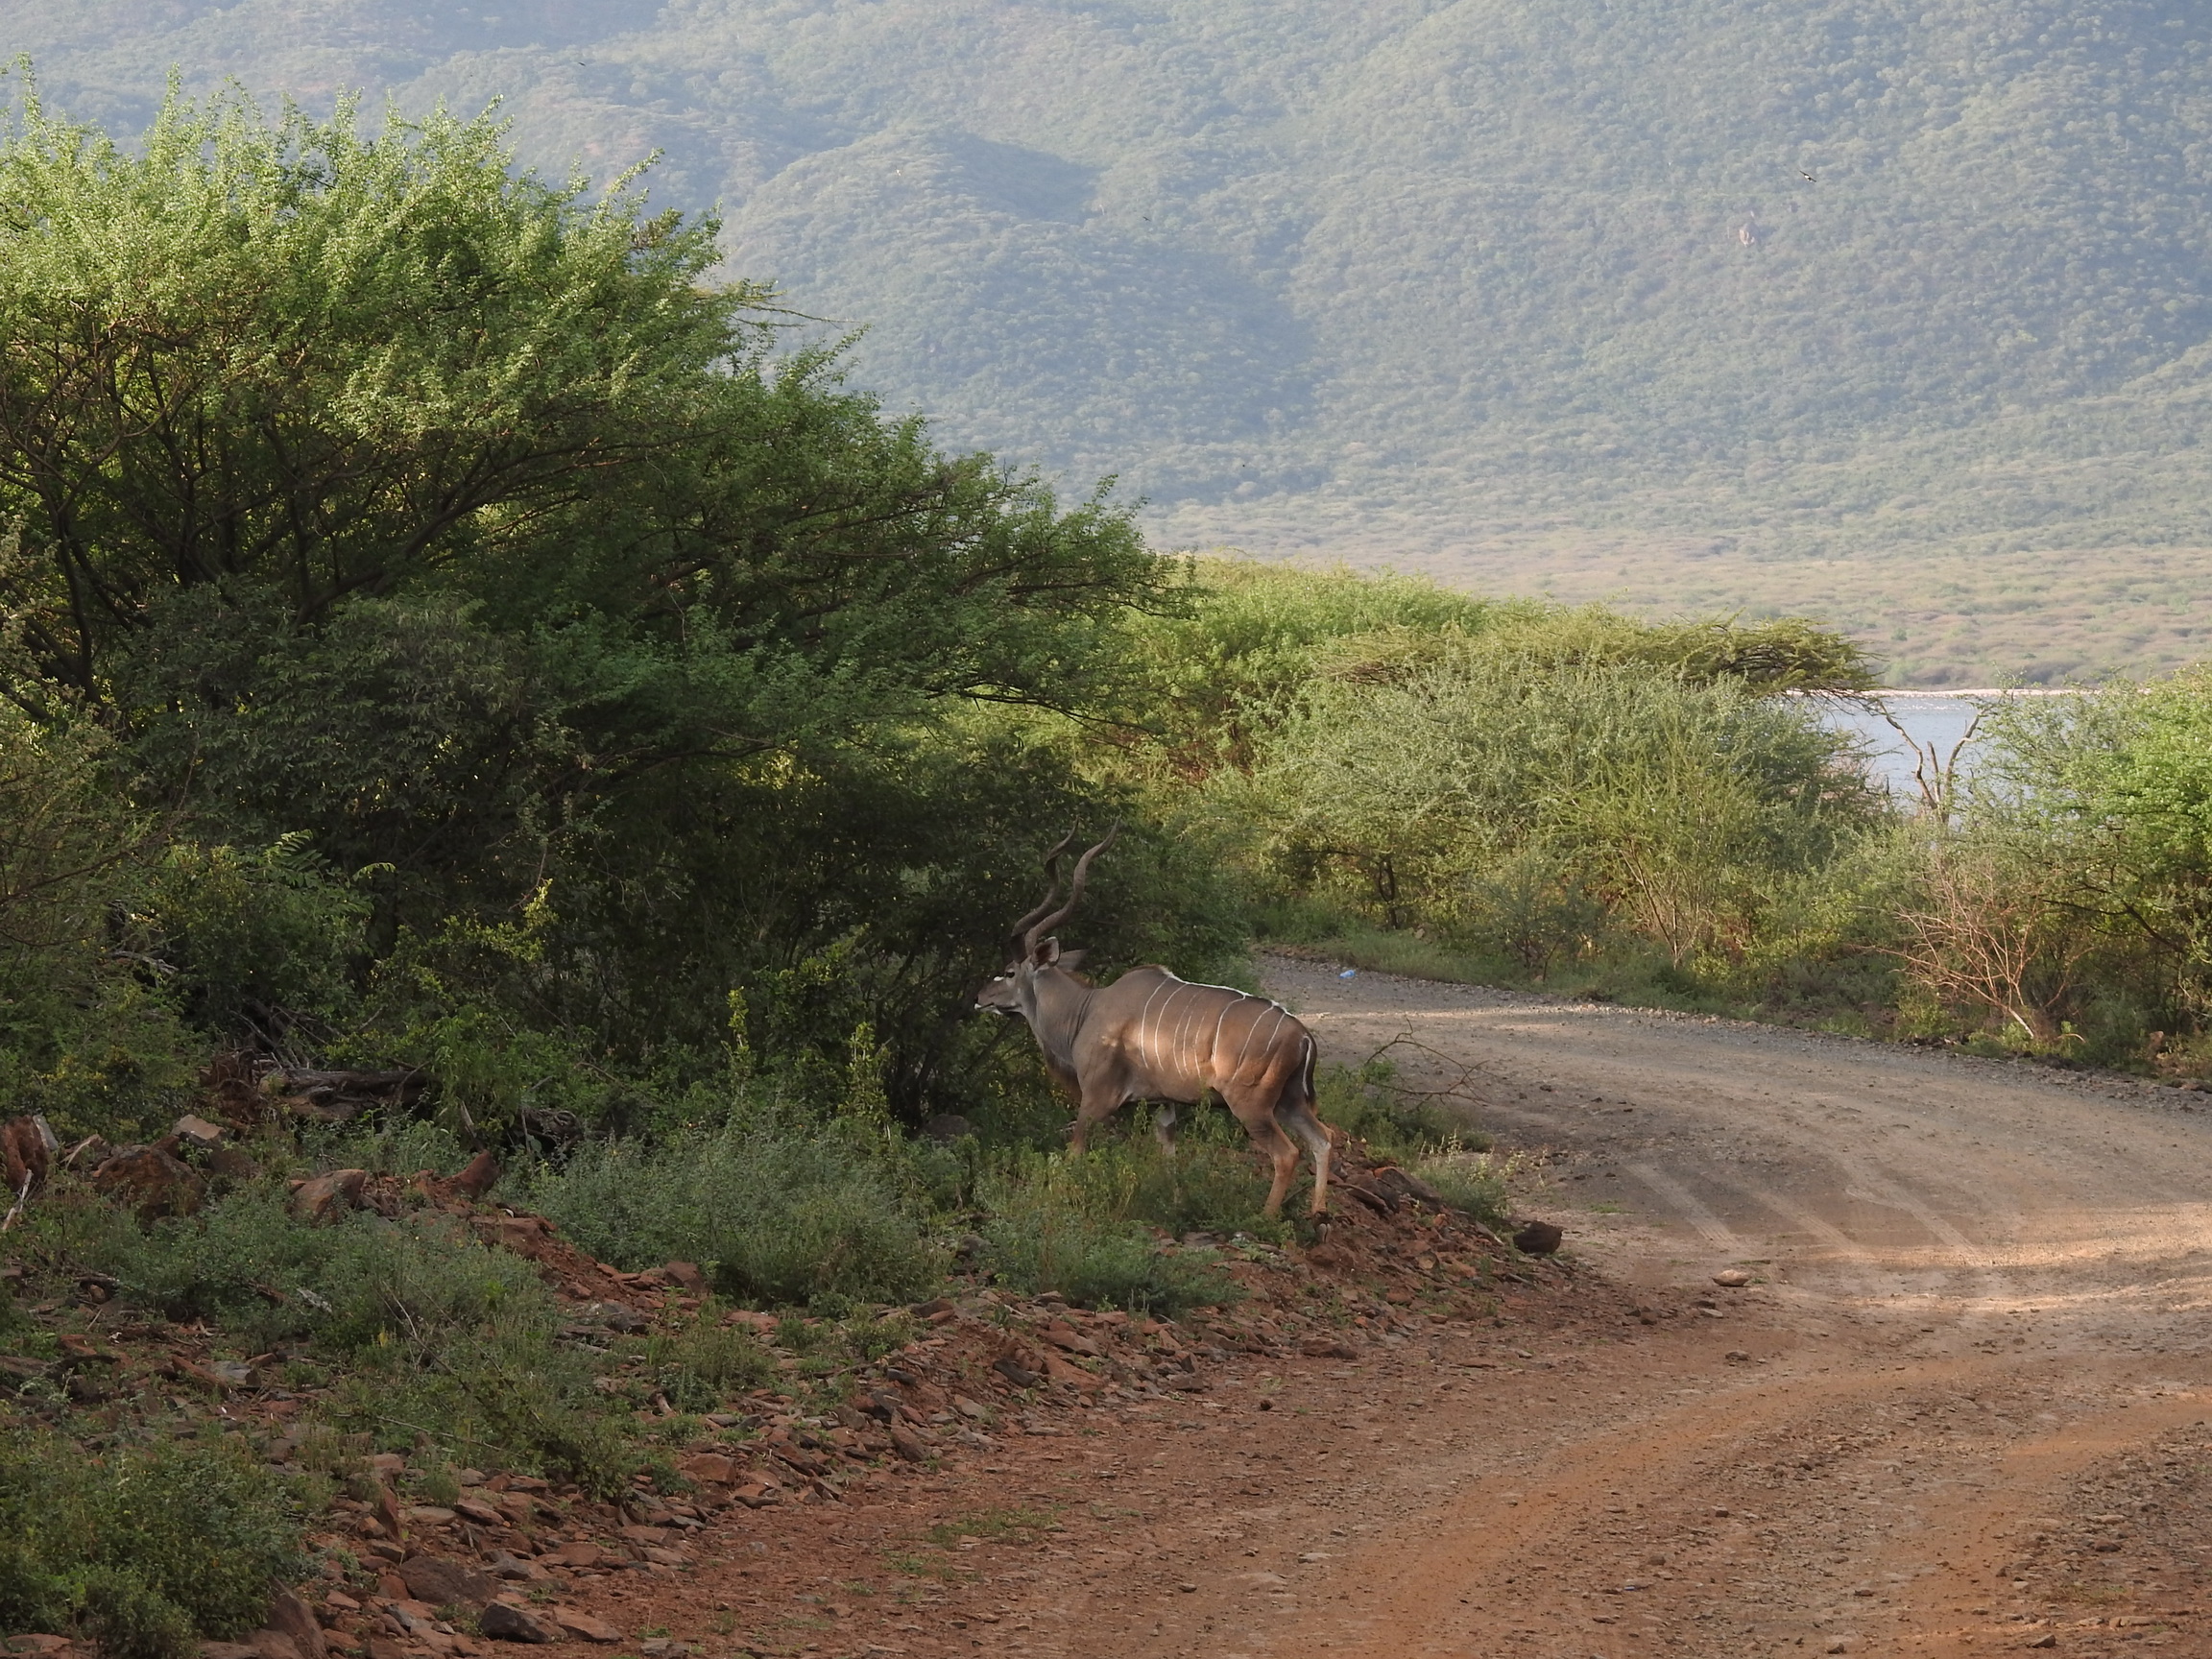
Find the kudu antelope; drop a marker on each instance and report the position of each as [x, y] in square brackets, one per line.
[1150, 1036]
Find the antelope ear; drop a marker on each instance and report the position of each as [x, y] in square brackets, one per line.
[1071, 960]
[1047, 953]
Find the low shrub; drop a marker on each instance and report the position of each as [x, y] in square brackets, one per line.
[246, 1263]
[828, 1216]
[143, 1549]
[1050, 1228]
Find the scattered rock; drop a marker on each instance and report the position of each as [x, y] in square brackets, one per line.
[27, 1149]
[505, 1621]
[687, 1276]
[907, 1444]
[197, 1134]
[477, 1177]
[293, 1616]
[443, 1582]
[1537, 1239]
[1327, 1348]
[710, 1467]
[584, 1624]
[478, 1510]
[577, 1555]
[1015, 1372]
[760, 1494]
[1064, 1337]
[325, 1198]
[1732, 1278]
[1058, 1370]
[515, 1572]
[1403, 1185]
[151, 1181]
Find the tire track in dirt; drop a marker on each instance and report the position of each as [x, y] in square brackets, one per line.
[1984, 1281]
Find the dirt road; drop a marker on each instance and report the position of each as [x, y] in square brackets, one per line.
[1960, 1410]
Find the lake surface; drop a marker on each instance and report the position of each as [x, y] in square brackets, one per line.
[1928, 717]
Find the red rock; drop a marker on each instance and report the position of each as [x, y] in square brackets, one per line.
[295, 1620]
[150, 1181]
[478, 1178]
[665, 1557]
[760, 1494]
[197, 1133]
[478, 1510]
[1058, 1370]
[584, 1624]
[907, 1444]
[27, 1152]
[384, 1648]
[688, 1275]
[644, 1534]
[327, 1197]
[1327, 1348]
[1061, 1334]
[709, 1468]
[504, 1622]
[273, 1645]
[576, 1554]
[443, 1582]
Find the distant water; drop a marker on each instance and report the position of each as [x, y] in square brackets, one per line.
[1929, 717]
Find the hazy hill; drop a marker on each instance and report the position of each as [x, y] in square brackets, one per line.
[1530, 291]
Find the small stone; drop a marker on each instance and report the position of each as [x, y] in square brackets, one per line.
[686, 1276]
[150, 1181]
[1732, 1278]
[710, 1467]
[197, 1133]
[661, 1557]
[1015, 1372]
[1538, 1239]
[507, 1623]
[1329, 1348]
[584, 1624]
[478, 1510]
[443, 1582]
[1066, 1338]
[1187, 1587]
[760, 1494]
[325, 1198]
[293, 1616]
[907, 1444]
[577, 1555]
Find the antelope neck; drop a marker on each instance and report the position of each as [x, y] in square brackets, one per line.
[1059, 1004]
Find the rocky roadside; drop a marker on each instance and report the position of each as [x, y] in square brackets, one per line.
[995, 1384]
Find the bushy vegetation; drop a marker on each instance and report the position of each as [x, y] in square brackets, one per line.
[628, 734]
[144, 1546]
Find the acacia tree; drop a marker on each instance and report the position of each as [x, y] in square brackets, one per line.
[371, 490]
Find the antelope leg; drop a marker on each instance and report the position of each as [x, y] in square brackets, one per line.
[1164, 1127]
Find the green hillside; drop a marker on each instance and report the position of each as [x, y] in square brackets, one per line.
[1523, 293]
